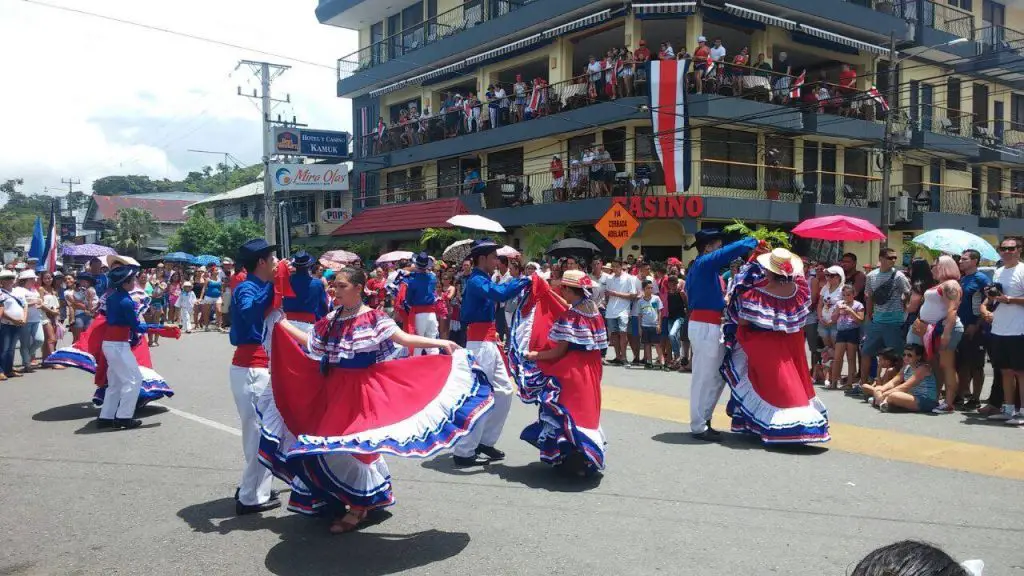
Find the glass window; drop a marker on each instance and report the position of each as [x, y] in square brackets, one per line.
[644, 152]
[412, 33]
[580, 143]
[856, 171]
[332, 199]
[300, 210]
[505, 163]
[396, 187]
[729, 159]
[1017, 111]
[778, 161]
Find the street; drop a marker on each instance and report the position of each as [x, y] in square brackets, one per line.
[158, 500]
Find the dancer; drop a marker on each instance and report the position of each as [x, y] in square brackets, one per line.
[310, 301]
[704, 290]
[421, 302]
[765, 362]
[562, 371]
[477, 316]
[249, 373]
[326, 430]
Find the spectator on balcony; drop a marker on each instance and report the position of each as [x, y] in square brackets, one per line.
[626, 72]
[405, 129]
[740, 63]
[452, 115]
[519, 91]
[762, 68]
[665, 52]
[608, 170]
[595, 77]
[473, 184]
[847, 88]
[558, 178]
[608, 65]
[472, 113]
[493, 105]
[593, 164]
[577, 180]
[701, 58]
[783, 75]
[718, 51]
[503, 103]
[485, 113]
[640, 59]
[641, 178]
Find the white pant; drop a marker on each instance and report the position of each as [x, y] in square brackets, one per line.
[123, 381]
[488, 429]
[246, 386]
[426, 326]
[707, 386]
[186, 318]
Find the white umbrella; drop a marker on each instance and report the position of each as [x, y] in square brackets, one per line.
[508, 251]
[457, 251]
[474, 222]
[395, 256]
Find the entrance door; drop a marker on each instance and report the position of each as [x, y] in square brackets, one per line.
[997, 117]
[927, 101]
[979, 104]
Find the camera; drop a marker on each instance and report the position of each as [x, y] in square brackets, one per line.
[995, 290]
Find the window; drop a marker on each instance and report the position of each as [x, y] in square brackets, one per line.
[965, 5]
[953, 102]
[377, 43]
[505, 163]
[301, 210]
[416, 186]
[332, 199]
[729, 159]
[257, 211]
[394, 38]
[856, 171]
[218, 212]
[778, 156]
[243, 210]
[1017, 111]
[995, 182]
[1017, 181]
[449, 178]
[643, 151]
[580, 143]
[412, 34]
[396, 187]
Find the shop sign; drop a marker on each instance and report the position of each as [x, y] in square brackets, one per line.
[310, 176]
[335, 216]
[617, 225]
[671, 206]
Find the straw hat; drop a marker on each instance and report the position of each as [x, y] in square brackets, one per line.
[782, 262]
[577, 279]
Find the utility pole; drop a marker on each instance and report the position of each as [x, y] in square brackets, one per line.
[267, 73]
[889, 143]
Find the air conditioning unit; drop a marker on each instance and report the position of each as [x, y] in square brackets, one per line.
[900, 210]
[311, 229]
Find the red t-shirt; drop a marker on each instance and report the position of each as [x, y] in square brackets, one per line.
[701, 53]
[237, 278]
[848, 79]
[642, 54]
[556, 169]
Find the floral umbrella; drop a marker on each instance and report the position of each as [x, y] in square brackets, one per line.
[951, 241]
[338, 259]
[205, 260]
[457, 251]
[178, 257]
[396, 256]
[87, 250]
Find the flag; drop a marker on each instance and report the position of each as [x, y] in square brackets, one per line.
[877, 97]
[38, 247]
[794, 90]
[670, 117]
[381, 129]
[48, 262]
[535, 99]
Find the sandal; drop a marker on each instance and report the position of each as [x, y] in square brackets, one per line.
[348, 523]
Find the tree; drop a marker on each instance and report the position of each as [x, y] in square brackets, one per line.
[197, 236]
[77, 200]
[437, 239]
[132, 228]
[367, 250]
[232, 235]
[538, 238]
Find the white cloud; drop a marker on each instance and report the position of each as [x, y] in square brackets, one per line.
[86, 97]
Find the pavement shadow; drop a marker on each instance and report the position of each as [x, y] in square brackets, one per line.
[979, 420]
[445, 465]
[67, 413]
[545, 477]
[90, 428]
[740, 442]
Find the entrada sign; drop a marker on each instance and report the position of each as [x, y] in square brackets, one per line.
[647, 207]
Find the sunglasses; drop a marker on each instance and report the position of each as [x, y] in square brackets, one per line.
[1007, 248]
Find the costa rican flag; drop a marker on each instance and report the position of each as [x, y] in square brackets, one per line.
[49, 263]
[794, 91]
[670, 117]
[535, 98]
[877, 97]
[381, 129]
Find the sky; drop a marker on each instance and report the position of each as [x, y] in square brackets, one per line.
[84, 98]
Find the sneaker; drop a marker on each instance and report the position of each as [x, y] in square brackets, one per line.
[988, 410]
[884, 406]
[1017, 420]
[942, 408]
[1005, 415]
[855, 391]
[871, 401]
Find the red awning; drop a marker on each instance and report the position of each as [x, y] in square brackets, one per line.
[399, 217]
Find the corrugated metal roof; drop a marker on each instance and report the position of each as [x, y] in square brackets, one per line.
[397, 217]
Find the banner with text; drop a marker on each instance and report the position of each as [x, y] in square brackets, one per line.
[310, 176]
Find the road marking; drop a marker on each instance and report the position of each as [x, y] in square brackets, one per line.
[887, 444]
[196, 418]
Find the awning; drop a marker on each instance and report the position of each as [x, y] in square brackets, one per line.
[760, 16]
[665, 8]
[389, 88]
[514, 46]
[438, 72]
[403, 217]
[577, 24]
[845, 40]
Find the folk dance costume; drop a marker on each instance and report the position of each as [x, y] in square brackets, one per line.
[765, 362]
[86, 353]
[705, 292]
[310, 301]
[420, 302]
[337, 407]
[566, 387]
[477, 315]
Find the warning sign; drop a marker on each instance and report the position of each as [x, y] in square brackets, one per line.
[617, 225]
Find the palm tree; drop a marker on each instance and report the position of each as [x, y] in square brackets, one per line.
[437, 239]
[538, 238]
[131, 229]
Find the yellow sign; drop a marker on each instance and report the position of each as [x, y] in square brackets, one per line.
[617, 225]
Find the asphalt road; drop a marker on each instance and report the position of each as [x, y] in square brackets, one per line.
[158, 500]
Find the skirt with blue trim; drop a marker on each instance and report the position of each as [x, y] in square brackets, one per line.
[153, 387]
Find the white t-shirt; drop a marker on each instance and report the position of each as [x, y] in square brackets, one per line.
[595, 69]
[830, 298]
[12, 306]
[626, 284]
[597, 290]
[1008, 319]
[717, 53]
[30, 297]
[650, 311]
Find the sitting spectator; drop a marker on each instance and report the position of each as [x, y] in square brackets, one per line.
[848, 315]
[890, 362]
[938, 329]
[914, 389]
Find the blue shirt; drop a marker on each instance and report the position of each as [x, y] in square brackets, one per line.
[102, 282]
[310, 295]
[213, 289]
[481, 294]
[421, 289]
[249, 304]
[703, 284]
[973, 286]
[121, 311]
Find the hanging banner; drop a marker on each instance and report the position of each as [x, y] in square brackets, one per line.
[670, 117]
[310, 176]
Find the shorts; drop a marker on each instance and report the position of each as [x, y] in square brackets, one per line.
[1006, 352]
[209, 300]
[878, 336]
[82, 321]
[970, 354]
[634, 326]
[618, 324]
[925, 404]
[954, 338]
[848, 336]
[827, 332]
[650, 335]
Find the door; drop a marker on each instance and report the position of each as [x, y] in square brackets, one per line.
[993, 18]
[927, 110]
[416, 185]
[953, 104]
[915, 101]
[810, 174]
[394, 38]
[377, 42]
[979, 104]
[997, 117]
[412, 32]
[449, 178]
[828, 173]
[935, 188]
[912, 178]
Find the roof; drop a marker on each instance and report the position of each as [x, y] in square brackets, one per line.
[254, 189]
[162, 210]
[172, 195]
[412, 216]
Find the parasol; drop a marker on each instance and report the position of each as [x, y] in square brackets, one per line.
[205, 260]
[950, 241]
[338, 259]
[396, 256]
[839, 228]
[475, 222]
[87, 250]
[457, 251]
[573, 247]
[183, 257]
[508, 252]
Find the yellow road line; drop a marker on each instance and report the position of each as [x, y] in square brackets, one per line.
[900, 446]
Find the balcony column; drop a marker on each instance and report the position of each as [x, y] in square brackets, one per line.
[760, 161]
[562, 52]
[841, 175]
[694, 28]
[697, 154]
[634, 31]
[759, 44]
[630, 156]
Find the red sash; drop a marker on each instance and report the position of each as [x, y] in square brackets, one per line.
[481, 332]
[250, 356]
[117, 334]
[307, 317]
[706, 316]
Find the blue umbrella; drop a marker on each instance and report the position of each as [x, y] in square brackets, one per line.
[178, 257]
[205, 260]
[950, 241]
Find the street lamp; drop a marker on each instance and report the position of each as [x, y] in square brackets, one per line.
[888, 143]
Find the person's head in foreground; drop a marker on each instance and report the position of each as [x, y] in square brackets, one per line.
[911, 558]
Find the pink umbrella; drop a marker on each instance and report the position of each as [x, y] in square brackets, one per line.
[395, 256]
[508, 251]
[837, 228]
[338, 259]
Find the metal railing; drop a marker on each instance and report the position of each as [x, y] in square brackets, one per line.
[1003, 205]
[937, 15]
[928, 197]
[949, 121]
[431, 30]
[994, 38]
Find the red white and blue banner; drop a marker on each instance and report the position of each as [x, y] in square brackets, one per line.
[670, 116]
[49, 260]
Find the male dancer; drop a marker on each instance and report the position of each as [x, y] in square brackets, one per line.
[310, 301]
[250, 374]
[478, 304]
[420, 301]
[705, 291]
[124, 380]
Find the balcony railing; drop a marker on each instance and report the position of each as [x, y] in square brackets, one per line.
[1003, 205]
[927, 197]
[999, 39]
[948, 121]
[937, 15]
[445, 24]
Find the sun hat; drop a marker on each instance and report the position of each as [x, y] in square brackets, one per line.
[577, 279]
[782, 262]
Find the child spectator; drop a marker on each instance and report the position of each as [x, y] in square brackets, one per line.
[914, 389]
[848, 316]
[650, 323]
[186, 303]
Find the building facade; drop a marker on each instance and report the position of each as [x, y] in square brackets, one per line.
[760, 152]
[167, 208]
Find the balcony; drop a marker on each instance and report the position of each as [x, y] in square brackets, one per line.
[869, 18]
[948, 131]
[934, 25]
[934, 206]
[472, 27]
[999, 54]
[1002, 143]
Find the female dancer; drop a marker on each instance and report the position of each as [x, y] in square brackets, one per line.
[327, 421]
[562, 371]
[765, 362]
